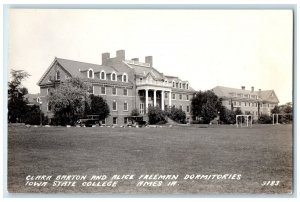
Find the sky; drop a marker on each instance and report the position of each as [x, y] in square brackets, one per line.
[208, 48]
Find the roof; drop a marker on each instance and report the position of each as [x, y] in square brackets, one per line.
[143, 71]
[32, 98]
[264, 95]
[73, 67]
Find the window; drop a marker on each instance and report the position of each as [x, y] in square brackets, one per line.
[180, 107]
[115, 120]
[102, 75]
[125, 120]
[180, 85]
[113, 76]
[187, 108]
[176, 85]
[48, 107]
[180, 97]
[124, 77]
[166, 95]
[49, 78]
[141, 79]
[173, 96]
[103, 122]
[90, 74]
[187, 86]
[173, 84]
[142, 110]
[114, 107]
[125, 106]
[114, 91]
[187, 97]
[57, 75]
[245, 104]
[183, 86]
[103, 90]
[125, 92]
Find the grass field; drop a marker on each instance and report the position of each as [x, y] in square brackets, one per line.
[261, 153]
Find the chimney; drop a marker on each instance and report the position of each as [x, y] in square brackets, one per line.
[135, 59]
[252, 89]
[243, 87]
[105, 57]
[121, 54]
[149, 59]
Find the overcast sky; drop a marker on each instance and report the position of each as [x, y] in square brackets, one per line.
[230, 48]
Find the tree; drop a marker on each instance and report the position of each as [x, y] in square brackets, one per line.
[33, 115]
[68, 101]
[135, 112]
[17, 105]
[156, 115]
[227, 116]
[177, 115]
[98, 107]
[206, 105]
[276, 110]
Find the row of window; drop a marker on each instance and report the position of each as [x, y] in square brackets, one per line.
[115, 106]
[244, 95]
[180, 97]
[180, 85]
[90, 74]
[249, 104]
[114, 91]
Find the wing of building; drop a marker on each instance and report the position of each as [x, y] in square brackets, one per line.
[125, 84]
[249, 101]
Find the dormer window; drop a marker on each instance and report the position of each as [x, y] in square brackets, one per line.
[57, 76]
[173, 82]
[180, 85]
[187, 86]
[102, 75]
[90, 74]
[113, 76]
[125, 77]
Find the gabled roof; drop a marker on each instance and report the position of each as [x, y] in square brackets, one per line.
[73, 67]
[264, 95]
[143, 71]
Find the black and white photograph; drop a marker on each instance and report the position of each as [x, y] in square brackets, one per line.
[150, 101]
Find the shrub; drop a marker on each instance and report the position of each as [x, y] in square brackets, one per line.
[177, 115]
[265, 119]
[33, 115]
[135, 112]
[156, 116]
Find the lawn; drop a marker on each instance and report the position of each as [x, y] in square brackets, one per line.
[257, 154]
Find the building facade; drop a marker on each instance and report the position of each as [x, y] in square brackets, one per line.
[124, 84]
[248, 101]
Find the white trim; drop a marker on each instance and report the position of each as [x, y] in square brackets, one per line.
[126, 92]
[113, 91]
[101, 75]
[57, 71]
[173, 84]
[125, 74]
[88, 73]
[101, 90]
[126, 106]
[114, 110]
[172, 96]
[112, 76]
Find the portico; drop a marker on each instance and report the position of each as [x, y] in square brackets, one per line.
[155, 96]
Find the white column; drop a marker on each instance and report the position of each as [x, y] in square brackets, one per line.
[170, 96]
[146, 100]
[154, 98]
[162, 100]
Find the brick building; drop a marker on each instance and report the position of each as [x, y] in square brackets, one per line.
[249, 101]
[125, 84]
